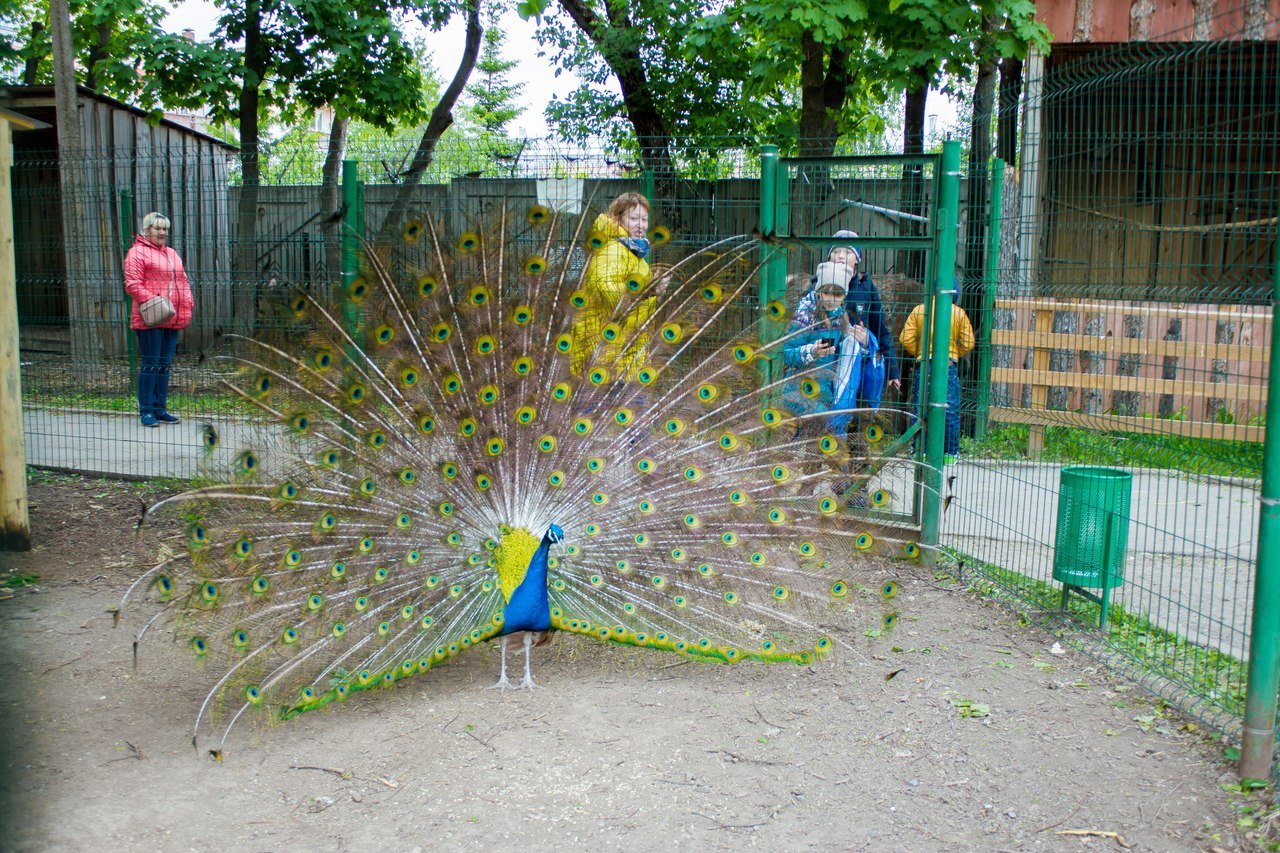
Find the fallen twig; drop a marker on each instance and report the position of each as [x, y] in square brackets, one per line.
[341, 774]
[134, 752]
[1097, 833]
[729, 825]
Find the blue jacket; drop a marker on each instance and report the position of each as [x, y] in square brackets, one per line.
[863, 304]
[811, 324]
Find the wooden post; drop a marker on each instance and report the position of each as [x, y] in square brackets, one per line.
[15, 526]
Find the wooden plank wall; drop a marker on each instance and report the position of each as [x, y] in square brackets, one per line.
[1214, 389]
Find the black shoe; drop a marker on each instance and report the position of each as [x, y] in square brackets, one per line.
[149, 420]
[166, 418]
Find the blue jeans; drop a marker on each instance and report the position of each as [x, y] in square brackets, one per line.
[155, 353]
[951, 443]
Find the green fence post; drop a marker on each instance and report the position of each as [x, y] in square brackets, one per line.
[1258, 737]
[939, 342]
[126, 240]
[773, 268]
[990, 269]
[351, 232]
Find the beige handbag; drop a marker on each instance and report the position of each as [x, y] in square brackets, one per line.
[156, 310]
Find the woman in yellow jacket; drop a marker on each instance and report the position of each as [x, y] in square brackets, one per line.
[960, 345]
[616, 273]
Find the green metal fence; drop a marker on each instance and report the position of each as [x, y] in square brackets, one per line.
[1129, 327]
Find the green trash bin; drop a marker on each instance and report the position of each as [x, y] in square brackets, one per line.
[1092, 532]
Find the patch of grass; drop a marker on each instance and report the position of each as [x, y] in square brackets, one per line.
[43, 476]
[1122, 449]
[125, 403]
[1214, 675]
[20, 580]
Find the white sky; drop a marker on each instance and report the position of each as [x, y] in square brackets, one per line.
[537, 74]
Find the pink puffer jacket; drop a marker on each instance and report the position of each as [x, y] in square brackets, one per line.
[151, 270]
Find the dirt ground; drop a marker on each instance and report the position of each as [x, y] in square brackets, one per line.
[620, 749]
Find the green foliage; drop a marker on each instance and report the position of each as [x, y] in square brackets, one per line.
[775, 70]
[110, 38]
[491, 94]
[297, 56]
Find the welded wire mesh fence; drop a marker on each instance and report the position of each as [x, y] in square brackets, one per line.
[1129, 327]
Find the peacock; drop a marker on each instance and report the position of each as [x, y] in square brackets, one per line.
[448, 455]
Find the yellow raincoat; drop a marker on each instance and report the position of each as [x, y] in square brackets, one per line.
[611, 267]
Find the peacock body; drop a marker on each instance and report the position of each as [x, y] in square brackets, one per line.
[468, 442]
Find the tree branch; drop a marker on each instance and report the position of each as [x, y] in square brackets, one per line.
[441, 119]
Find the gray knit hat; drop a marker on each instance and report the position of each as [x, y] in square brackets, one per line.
[832, 275]
[845, 238]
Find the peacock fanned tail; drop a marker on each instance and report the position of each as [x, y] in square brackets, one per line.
[424, 430]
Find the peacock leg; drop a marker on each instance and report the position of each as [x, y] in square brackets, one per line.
[528, 650]
[503, 683]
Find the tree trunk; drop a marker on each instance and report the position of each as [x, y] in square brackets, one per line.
[1170, 370]
[1127, 403]
[824, 88]
[81, 306]
[627, 63]
[1010, 99]
[244, 263]
[440, 121]
[911, 263]
[1006, 285]
[973, 295]
[1063, 360]
[331, 198]
[97, 53]
[1224, 333]
[1093, 362]
[31, 69]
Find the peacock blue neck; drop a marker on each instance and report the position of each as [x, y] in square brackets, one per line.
[528, 607]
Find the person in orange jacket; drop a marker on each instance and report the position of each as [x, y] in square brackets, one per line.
[960, 345]
[153, 269]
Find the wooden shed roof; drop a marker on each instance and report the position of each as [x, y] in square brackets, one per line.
[26, 97]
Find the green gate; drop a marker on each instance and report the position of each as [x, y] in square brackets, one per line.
[903, 210]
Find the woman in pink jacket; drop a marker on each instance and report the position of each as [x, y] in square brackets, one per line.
[153, 269]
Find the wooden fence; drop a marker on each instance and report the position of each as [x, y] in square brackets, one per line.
[1147, 367]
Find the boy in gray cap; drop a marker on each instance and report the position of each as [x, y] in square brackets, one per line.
[866, 313]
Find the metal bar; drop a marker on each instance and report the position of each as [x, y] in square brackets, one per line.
[351, 231]
[646, 184]
[824, 241]
[887, 211]
[990, 271]
[935, 420]
[126, 239]
[867, 160]
[1258, 737]
[773, 269]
